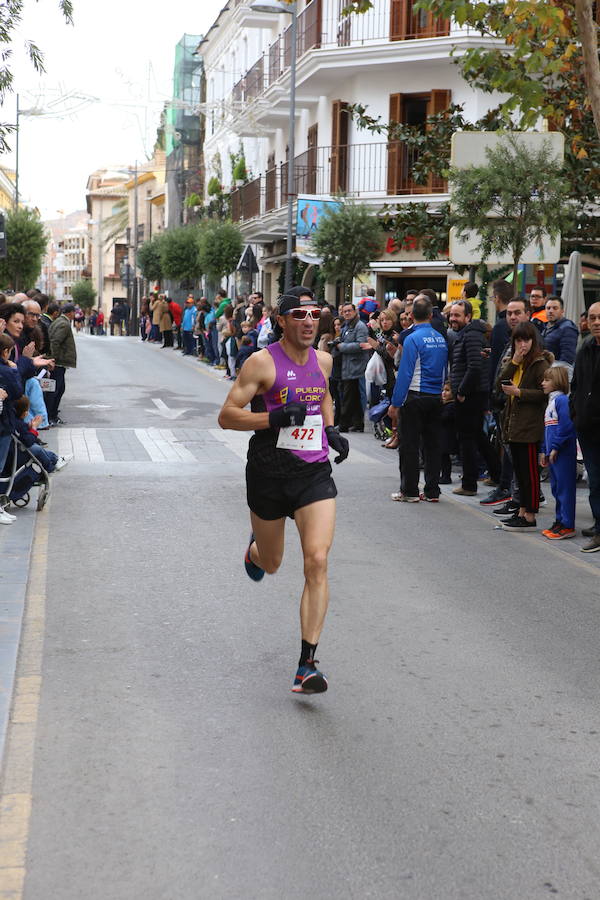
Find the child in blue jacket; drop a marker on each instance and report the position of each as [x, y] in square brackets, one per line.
[560, 452]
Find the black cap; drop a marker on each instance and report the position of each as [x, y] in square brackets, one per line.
[295, 297]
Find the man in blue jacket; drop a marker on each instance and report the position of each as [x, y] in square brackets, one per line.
[560, 335]
[418, 391]
[187, 326]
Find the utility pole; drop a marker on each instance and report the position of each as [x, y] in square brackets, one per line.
[99, 251]
[17, 160]
[292, 152]
[134, 303]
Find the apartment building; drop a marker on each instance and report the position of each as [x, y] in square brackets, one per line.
[106, 199]
[7, 189]
[146, 200]
[394, 60]
[74, 262]
[67, 257]
[183, 132]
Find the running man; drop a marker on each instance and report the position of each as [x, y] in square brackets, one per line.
[288, 471]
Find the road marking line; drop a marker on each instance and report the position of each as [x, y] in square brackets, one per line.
[93, 447]
[236, 441]
[80, 450]
[163, 445]
[153, 451]
[182, 452]
[65, 444]
[17, 776]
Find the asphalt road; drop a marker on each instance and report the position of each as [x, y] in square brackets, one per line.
[454, 756]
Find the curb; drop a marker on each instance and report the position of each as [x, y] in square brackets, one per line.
[16, 542]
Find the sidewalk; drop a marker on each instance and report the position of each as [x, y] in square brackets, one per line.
[15, 551]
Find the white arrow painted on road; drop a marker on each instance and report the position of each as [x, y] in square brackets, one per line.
[163, 410]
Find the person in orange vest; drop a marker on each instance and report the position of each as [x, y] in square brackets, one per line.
[537, 301]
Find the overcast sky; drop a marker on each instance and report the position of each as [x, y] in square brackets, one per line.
[120, 52]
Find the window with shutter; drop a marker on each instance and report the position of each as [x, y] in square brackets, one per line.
[311, 159]
[271, 183]
[394, 147]
[408, 23]
[438, 102]
[339, 146]
[412, 109]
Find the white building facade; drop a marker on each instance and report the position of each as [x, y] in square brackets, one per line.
[393, 60]
[106, 199]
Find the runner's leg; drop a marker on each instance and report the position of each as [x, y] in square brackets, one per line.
[316, 525]
[267, 549]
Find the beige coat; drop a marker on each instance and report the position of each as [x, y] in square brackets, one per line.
[165, 322]
[155, 309]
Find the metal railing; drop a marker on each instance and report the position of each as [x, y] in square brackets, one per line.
[369, 171]
[246, 201]
[315, 32]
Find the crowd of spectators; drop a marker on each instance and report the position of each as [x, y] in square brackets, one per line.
[37, 347]
[502, 405]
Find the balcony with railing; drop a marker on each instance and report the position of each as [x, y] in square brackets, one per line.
[397, 22]
[373, 171]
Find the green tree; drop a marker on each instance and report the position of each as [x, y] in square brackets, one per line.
[221, 246]
[11, 14]
[179, 253]
[84, 293]
[116, 224]
[347, 240]
[517, 198]
[149, 259]
[26, 242]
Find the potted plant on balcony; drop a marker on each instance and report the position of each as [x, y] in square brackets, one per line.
[214, 186]
[240, 173]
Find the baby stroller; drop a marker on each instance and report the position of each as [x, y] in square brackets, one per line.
[22, 472]
[377, 415]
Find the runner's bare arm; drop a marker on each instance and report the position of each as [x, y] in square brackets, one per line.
[326, 364]
[256, 375]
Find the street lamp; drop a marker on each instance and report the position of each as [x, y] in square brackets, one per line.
[276, 6]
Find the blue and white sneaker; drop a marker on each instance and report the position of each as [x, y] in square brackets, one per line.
[309, 680]
[252, 570]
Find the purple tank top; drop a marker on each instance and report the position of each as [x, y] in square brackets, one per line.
[300, 384]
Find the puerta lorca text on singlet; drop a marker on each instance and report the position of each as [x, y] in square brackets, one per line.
[293, 384]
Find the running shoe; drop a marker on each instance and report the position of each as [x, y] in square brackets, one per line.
[559, 533]
[402, 498]
[507, 511]
[429, 499]
[518, 523]
[309, 680]
[252, 570]
[495, 497]
[593, 546]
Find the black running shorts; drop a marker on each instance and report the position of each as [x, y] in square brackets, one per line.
[275, 498]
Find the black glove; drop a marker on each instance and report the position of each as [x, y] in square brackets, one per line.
[337, 443]
[290, 414]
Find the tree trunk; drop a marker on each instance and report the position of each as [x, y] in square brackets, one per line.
[591, 66]
[515, 276]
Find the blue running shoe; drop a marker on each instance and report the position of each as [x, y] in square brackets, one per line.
[252, 570]
[309, 680]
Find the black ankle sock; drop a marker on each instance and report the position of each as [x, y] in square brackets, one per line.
[308, 652]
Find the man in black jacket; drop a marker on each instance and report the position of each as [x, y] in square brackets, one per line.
[469, 378]
[502, 293]
[585, 412]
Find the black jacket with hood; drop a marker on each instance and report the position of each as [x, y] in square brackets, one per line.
[469, 372]
[584, 401]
